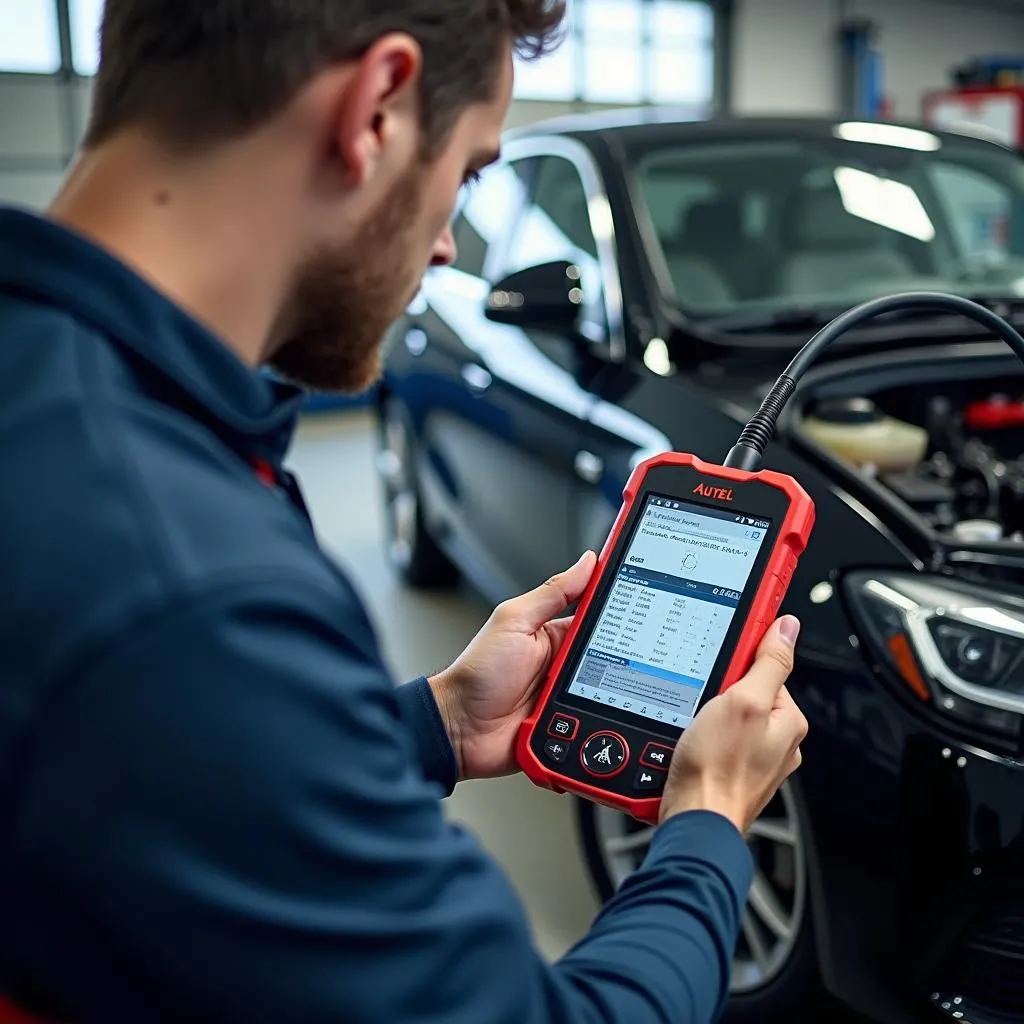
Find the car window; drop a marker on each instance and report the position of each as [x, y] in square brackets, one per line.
[556, 225]
[487, 212]
[979, 210]
[671, 197]
[795, 223]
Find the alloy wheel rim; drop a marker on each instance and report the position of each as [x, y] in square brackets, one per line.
[399, 494]
[778, 895]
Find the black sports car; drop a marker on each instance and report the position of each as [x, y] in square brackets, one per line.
[631, 283]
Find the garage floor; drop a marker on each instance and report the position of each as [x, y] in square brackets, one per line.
[334, 459]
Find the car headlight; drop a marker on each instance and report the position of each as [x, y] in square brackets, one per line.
[953, 644]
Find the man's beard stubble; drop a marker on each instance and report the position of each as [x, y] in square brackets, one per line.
[345, 298]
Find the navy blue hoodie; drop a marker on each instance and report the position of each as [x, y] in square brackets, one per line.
[216, 806]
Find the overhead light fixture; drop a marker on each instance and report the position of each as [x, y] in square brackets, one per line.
[888, 135]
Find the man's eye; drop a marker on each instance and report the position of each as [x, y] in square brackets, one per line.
[472, 178]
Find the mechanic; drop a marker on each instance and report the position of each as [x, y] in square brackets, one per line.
[216, 805]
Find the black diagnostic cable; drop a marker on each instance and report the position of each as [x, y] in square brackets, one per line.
[746, 453]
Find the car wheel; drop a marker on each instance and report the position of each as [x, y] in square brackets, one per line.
[411, 549]
[774, 970]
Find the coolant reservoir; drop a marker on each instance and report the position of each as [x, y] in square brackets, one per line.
[856, 430]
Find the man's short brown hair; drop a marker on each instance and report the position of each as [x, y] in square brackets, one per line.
[199, 71]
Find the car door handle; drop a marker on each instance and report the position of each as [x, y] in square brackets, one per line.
[476, 377]
[589, 467]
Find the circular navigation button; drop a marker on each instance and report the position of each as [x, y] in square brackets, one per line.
[605, 754]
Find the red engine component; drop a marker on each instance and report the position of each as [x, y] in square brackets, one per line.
[998, 412]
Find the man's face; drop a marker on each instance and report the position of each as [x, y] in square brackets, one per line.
[346, 295]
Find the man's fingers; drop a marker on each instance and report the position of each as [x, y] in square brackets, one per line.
[553, 597]
[787, 719]
[767, 676]
[557, 630]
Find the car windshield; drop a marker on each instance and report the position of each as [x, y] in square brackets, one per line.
[782, 224]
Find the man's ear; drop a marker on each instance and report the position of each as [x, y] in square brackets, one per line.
[380, 103]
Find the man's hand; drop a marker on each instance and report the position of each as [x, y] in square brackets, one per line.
[488, 692]
[744, 743]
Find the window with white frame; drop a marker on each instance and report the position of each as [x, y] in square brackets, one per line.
[29, 40]
[628, 51]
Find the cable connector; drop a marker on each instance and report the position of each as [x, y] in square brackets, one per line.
[747, 452]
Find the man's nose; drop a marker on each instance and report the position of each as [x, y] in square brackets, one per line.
[444, 249]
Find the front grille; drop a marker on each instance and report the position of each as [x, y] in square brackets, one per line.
[988, 966]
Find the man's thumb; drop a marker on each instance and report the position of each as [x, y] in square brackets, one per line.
[774, 660]
[788, 629]
[553, 597]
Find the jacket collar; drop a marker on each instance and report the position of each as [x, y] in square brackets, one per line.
[51, 264]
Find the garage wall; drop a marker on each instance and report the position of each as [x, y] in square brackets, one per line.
[32, 118]
[929, 38]
[523, 112]
[786, 55]
[41, 120]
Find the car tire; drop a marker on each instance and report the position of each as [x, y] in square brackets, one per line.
[785, 984]
[411, 549]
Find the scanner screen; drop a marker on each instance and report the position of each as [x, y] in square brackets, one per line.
[667, 614]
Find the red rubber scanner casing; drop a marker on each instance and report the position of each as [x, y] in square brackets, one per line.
[790, 543]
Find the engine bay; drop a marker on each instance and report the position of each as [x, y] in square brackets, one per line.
[954, 454]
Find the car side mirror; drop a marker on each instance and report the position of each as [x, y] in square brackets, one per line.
[547, 297]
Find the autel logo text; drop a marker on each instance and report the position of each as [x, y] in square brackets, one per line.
[718, 493]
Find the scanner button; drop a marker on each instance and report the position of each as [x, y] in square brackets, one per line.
[787, 570]
[656, 755]
[564, 726]
[556, 750]
[605, 753]
[648, 780]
